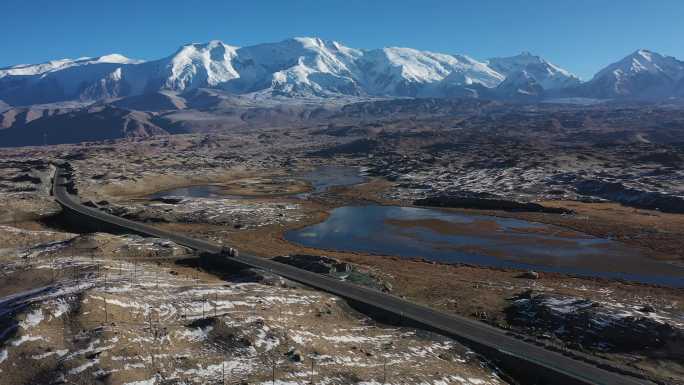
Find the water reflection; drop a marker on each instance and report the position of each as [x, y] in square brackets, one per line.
[482, 240]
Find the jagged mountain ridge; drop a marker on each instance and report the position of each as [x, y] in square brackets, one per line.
[292, 68]
[314, 68]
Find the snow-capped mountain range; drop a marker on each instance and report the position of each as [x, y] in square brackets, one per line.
[311, 67]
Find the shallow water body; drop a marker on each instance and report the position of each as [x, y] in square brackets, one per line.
[321, 179]
[326, 177]
[446, 236]
[201, 191]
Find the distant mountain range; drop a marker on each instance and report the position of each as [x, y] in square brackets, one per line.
[313, 68]
[215, 87]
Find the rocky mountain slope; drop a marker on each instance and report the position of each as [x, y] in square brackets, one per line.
[525, 65]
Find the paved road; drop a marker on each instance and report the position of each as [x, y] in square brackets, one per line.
[463, 328]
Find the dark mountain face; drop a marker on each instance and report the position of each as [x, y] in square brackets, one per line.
[81, 126]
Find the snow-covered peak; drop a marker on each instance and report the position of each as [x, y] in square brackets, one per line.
[312, 42]
[116, 58]
[507, 65]
[35, 69]
[201, 47]
[643, 74]
[324, 55]
[546, 74]
[199, 65]
[419, 66]
[216, 50]
[644, 61]
[56, 65]
[520, 84]
[403, 71]
[329, 48]
[646, 54]
[473, 72]
[301, 65]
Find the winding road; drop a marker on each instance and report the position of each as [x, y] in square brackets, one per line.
[568, 370]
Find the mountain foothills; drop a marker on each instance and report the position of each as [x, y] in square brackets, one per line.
[311, 67]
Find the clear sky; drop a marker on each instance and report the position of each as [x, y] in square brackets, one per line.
[579, 35]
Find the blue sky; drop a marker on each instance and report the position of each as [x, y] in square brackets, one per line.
[579, 35]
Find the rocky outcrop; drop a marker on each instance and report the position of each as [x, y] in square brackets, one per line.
[590, 324]
[337, 269]
[356, 147]
[617, 192]
[486, 202]
[315, 263]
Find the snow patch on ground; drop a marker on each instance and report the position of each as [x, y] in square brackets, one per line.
[195, 334]
[34, 318]
[25, 338]
[85, 366]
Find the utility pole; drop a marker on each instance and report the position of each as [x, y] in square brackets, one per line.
[384, 371]
[274, 368]
[387, 347]
[53, 270]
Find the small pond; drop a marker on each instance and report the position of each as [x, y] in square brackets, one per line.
[324, 178]
[321, 178]
[446, 236]
[202, 191]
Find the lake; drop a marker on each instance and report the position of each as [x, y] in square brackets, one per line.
[446, 236]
